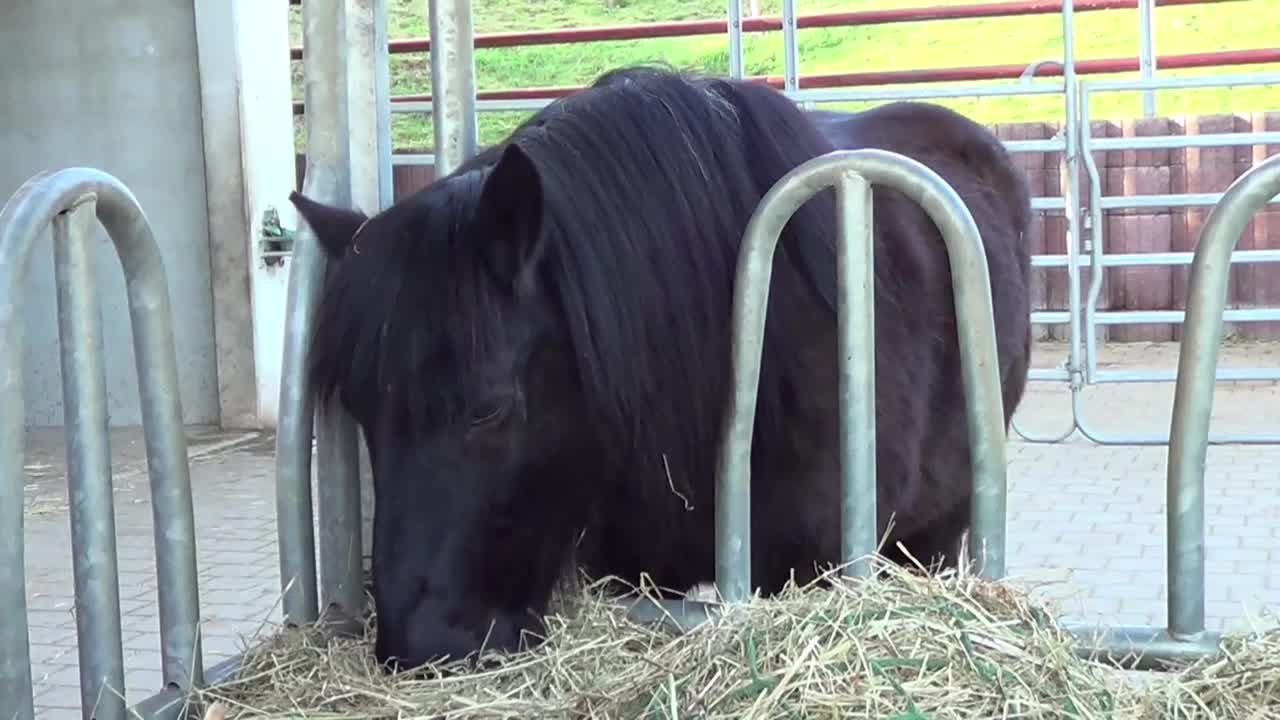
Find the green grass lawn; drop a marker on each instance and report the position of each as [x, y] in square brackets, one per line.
[1242, 24]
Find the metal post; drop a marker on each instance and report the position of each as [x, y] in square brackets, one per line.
[356, 180]
[93, 525]
[735, 39]
[15, 645]
[790, 48]
[338, 501]
[22, 220]
[1075, 127]
[975, 324]
[1147, 52]
[1193, 394]
[453, 83]
[856, 320]
[327, 180]
[382, 102]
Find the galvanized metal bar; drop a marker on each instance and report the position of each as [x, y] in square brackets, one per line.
[15, 646]
[413, 159]
[1147, 52]
[1151, 375]
[328, 180]
[972, 288]
[1193, 394]
[735, 39]
[856, 328]
[790, 48]
[1048, 203]
[1140, 648]
[1156, 439]
[89, 488]
[1146, 317]
[174, 703]
[1050, 317]
[453, 83]
[1184, 83]
[1113, 202]
[1053, 144]
[1239, 257]
[382, 102]
[338, 503]
[22, 220]
[1097, 229]
[920, 92]
[1076, 131]
[1160, 142]
[358, 183]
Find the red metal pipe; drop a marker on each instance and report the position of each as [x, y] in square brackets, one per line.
[689, 28]
[911, 77]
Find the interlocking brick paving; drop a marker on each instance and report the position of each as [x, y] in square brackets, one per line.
[1084, 518]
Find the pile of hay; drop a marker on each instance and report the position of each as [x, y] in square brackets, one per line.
[901, 647]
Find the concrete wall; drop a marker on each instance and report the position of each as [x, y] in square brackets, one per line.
[116, 89]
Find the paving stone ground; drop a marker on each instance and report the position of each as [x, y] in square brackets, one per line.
[1087, 519]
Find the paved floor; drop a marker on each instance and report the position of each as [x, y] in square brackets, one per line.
[1087, 518]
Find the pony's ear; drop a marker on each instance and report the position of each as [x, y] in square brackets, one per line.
[510, 216]
[334, 227]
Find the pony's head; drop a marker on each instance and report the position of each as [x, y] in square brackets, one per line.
[435, 332]
[537, 345]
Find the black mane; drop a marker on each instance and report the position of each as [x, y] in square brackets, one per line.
[644, 270]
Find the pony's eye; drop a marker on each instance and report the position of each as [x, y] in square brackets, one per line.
[488, 412]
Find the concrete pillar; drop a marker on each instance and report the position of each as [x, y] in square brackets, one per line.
[249, 168]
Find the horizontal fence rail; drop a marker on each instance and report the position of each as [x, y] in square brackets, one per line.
[692, 28]
[64, 200]
[532, 98]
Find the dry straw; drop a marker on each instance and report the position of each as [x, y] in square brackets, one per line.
[900, 647]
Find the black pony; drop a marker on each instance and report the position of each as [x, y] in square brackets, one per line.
[537, 350]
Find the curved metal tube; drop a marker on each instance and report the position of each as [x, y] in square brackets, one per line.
[31, 209]
[1193, 394]
[856, 322]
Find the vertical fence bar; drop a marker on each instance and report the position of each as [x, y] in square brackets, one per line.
[352, 177]
[453, 83]
[15, 644]
[23, 218]
[735, 39]
[172, 508]
[856, 318]
[382, 101]
[93, 526]
[1147, 52]
[326, 180]
[790, 48]
[338, 503]
[976, 332]
[1077, 126]
[1193, 394]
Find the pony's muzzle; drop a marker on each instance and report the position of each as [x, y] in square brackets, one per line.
[427, 638]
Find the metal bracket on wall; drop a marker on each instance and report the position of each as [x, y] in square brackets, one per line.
[275, 242]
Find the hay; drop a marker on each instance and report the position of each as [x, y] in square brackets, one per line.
[901, 647]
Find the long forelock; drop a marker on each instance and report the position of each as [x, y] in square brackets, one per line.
[649, 180]
[406, 320]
